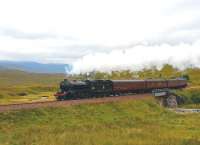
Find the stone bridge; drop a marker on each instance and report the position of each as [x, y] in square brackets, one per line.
[167, 98]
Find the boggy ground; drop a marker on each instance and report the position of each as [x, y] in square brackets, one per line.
[130, 122]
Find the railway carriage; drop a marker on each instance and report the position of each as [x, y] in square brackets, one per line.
[156, 84]
[128, 86]
[177, 83]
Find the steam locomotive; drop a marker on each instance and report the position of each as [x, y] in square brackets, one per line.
[99, 88]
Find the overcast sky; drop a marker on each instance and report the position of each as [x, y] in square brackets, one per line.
[82, 32]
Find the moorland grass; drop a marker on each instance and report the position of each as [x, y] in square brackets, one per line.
[139, 122]
[19, 86]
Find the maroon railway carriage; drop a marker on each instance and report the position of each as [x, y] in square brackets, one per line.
[156, 84]
[124, 86]
[176, 83]
[137, 86]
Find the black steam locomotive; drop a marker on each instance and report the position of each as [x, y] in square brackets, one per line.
[99, 88]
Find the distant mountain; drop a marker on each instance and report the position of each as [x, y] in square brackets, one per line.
[2, 68]
[35, 67]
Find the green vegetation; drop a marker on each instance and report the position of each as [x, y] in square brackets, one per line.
[18, 86]
[139, 122]
[191, 97]
[166, 72]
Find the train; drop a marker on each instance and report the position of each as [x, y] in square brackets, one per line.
[79, 89]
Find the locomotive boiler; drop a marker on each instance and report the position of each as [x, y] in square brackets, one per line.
[99, 88]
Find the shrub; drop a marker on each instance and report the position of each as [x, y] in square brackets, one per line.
[22, 94]
[190, 96]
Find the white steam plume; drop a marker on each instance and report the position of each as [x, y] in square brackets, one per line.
[139, 57]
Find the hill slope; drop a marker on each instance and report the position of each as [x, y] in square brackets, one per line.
[35, 67]
[20, 78]
[20, 86]
[123, 123]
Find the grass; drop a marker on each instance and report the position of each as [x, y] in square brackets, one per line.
[42, 96]
[18, 86]
[13, 78]
[139, 122]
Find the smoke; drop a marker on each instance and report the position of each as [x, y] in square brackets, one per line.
[141, 56]
[68, 70]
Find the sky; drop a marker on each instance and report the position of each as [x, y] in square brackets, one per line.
[101, 34]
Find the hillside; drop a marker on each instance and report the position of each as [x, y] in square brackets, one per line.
[34, 66]
[16, 77]
[139, 122]
[20, 86]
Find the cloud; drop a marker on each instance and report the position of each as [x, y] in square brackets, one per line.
[102, 35]
[17, 34]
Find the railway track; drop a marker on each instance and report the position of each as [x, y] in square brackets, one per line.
[11, 107]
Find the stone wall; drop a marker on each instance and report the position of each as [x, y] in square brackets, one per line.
[168, 101]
